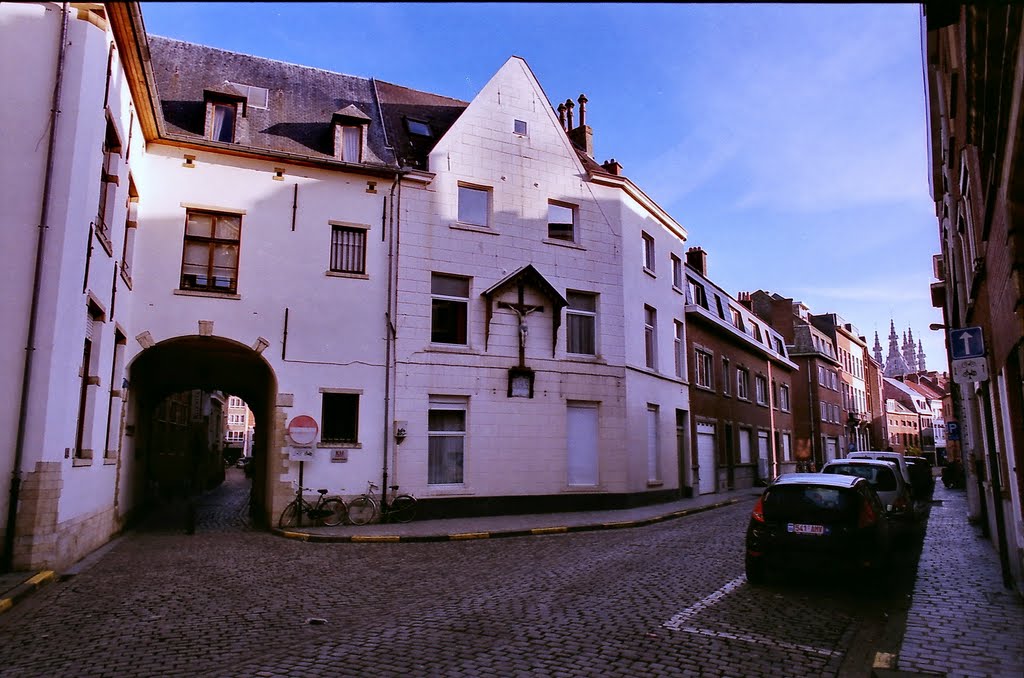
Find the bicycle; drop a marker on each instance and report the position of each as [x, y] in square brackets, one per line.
[330, 511]
[401, 508]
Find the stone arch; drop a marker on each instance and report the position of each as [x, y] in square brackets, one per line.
[208, 363]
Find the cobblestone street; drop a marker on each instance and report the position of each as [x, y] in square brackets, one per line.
[667, 599]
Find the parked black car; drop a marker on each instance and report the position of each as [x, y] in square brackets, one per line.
[816, 519]
[921, 478]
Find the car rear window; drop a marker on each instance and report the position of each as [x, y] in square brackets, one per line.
[809, 503]
[881, 478]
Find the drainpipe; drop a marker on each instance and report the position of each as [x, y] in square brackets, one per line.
[394, 222]
[26, 380]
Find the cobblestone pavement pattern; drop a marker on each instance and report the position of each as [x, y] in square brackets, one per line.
[662, 600]
[962, 622]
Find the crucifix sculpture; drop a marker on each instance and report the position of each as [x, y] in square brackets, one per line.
[521, 309]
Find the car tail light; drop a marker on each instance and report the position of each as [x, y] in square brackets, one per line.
[758, 513]
[901, 503]
[867, 515]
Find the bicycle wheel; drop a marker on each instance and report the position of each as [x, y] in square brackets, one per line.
[290, 514]
[337, 511]
[362, 510]
[403, 508]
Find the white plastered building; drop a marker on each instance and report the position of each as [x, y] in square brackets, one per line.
[461, 297]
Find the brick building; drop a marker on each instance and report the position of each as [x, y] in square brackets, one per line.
[974, 76]
[741, 391]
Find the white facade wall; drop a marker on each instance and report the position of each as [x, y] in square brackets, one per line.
[82, 488]
[335, 323]
[517, 446]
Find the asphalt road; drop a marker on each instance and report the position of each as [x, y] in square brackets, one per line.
[667, 599]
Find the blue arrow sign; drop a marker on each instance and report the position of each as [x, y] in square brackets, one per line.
[966, 342]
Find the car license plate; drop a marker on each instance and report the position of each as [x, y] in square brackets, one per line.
[801, 528]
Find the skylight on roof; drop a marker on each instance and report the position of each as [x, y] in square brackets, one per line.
[255, 97]
[418, 127]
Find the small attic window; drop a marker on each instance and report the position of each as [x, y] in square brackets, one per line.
[418, 127]
[256, 97]
[223, 122]
[519, 127]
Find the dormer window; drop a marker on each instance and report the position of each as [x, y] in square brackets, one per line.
[223, 123]
[349, 124]
[418, 127]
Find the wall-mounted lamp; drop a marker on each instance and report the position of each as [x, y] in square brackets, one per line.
[400, 431]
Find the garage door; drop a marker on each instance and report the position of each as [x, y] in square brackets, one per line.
[706, 458]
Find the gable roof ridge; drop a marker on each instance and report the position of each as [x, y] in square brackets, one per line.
[422, 91]
[150, 36]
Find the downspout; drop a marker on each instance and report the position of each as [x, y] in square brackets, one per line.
[810, 406]
[393, 220]
[26, 380]
[771, 419]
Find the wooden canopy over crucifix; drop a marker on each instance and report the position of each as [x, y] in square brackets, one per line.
[527, 275]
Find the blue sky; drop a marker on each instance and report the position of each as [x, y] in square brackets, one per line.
[790, 140]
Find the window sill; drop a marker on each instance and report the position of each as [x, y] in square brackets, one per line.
[650, 272]
[109, 460]
[450, 348]
[473, 228]
[108, 246]
[342, 274]
[655, 483]
[585, 358]
[584, 488]
[82, 461]
[701, 387]
[447, 491]
[564, 243]
[339, 446]
[212, 295]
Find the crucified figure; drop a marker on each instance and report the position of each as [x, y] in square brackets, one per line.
[521, 309]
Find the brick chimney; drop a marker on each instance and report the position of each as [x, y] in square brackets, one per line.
[612, 167]
[582, 137]
[697, 259]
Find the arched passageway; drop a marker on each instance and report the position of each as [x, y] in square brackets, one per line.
[178, 387]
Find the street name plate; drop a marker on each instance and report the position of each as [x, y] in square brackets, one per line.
[300, 453]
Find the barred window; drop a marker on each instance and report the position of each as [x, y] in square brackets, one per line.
[348, 249]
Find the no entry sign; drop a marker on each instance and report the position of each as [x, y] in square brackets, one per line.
[303, 429]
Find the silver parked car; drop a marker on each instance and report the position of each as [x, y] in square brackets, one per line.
[884, 477]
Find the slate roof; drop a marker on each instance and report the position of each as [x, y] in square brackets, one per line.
[300, 105]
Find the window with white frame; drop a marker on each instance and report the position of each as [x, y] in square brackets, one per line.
[761, 389]
[581, 323]
[348, 249]
[787, 447]
[449, 309]
[446, 439]
[351, 143]
[677, 272]
[784, 397]
[737, 319]
[680, 351]
[743, 383]
[824, 412]
[224, 122]
[649, 260]
[725, 376]
[651, 337]
[696, 293]
[474, 205]
[339, 418]
[561, 221]
[653, 445]
[702, 369]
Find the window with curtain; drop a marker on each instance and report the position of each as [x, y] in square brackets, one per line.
[348, 249]
[224, 123]
[446, 440]
[351, 144]
[581, 323]
[210, 257]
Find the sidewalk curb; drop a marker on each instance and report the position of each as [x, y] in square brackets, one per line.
[24, 589]
[493, 534]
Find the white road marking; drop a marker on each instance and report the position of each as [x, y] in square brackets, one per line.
[679, 623]
[678, 620]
